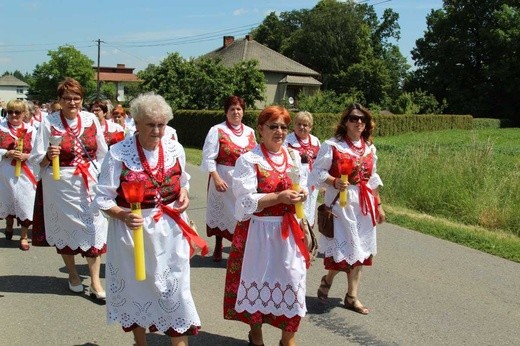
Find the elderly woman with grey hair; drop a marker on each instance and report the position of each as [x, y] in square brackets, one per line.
[308, 146]
[163, 300]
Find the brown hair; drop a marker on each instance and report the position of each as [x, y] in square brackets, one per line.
[234, 100]
[72, 85]
[341, 129]
[119, 110]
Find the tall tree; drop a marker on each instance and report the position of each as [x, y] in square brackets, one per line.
[66, 61]
[469, 56]
[343, 41]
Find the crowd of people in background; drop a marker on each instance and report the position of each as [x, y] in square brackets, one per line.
[96, 178]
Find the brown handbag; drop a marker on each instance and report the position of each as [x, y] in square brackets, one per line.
[326, 219]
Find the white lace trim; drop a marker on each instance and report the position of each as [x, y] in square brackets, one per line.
[86, 121]
[293, 141]
[126, 152]
[256, 157]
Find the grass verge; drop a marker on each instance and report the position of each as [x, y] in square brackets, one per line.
[496, 243]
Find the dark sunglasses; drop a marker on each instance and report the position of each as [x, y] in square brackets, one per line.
[11, 112]
[356, 118]
[273, 127]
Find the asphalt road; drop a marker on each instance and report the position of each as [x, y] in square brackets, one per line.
[421, 291]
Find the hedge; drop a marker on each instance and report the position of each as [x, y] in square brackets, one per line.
[193, 126]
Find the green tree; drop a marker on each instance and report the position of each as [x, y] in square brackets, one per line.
[346, 43]
[202, 83]
[468, 56]
[66, 61]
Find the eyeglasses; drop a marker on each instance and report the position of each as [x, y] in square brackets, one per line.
[75, 99]
[274, 127]
[356, 118]
[11, 112]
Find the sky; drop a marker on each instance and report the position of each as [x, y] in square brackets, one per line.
[139, 33]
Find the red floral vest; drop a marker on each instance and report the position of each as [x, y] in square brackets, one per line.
[166, 193]
[9, 143]
[272, 181]
[228, 151]
[362, 166]
[67, 152]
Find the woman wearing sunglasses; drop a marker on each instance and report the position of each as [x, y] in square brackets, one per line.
[352, 154]
[17, 184]
[266, 269]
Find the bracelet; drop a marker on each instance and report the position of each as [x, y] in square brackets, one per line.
[334, 182]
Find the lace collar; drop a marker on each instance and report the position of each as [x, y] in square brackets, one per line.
[86, 120]
[126, 151]
[293, 141]
[256, 157]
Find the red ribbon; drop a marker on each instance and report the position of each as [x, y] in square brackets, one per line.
[189, 233]
[82, 168]
[289, 223]
[366, 202]
[27, 171]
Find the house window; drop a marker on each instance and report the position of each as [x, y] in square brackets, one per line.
[19, 90]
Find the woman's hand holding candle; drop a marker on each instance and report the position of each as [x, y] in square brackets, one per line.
[134, 194]
[345, 168]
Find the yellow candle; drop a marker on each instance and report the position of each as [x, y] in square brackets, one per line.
[140, 271]
[343, 194]
[18, 165]
[56, 167]
[299, 205]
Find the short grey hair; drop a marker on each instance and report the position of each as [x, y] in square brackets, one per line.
[151, 106]
[303, 115]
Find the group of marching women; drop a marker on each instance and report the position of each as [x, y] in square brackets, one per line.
[99, 188]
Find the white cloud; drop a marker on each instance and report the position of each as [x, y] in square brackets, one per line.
[240, 12]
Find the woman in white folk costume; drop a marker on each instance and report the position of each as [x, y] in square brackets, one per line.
[17, 191]
[163, 301]
[266, 269]
[352, 153]
[308, 146]
[70, 225]
[112, 132]
[224, 143]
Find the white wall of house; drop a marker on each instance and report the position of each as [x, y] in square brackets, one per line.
[8, 93]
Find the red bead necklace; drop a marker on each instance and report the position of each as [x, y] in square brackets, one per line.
[279, 167]
[357, 150]
[13, 130]
[302, 143]
[72, 131]
[237, 132]
[158, 177]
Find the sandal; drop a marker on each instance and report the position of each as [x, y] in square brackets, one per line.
[360, 309]
[323, 285]
[24, 244]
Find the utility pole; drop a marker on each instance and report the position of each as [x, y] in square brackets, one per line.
[98, 94]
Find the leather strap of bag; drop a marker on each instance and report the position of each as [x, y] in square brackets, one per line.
[335, 200]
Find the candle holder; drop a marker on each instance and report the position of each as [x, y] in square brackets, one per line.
[20, 134]
[134, 194]
[55, 141]
[345, 168]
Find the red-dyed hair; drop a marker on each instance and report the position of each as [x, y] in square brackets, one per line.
[274, 112]
[72, 85]
[234, 100]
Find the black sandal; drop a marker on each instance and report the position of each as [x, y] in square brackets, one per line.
[352, 306]
[324, 285]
